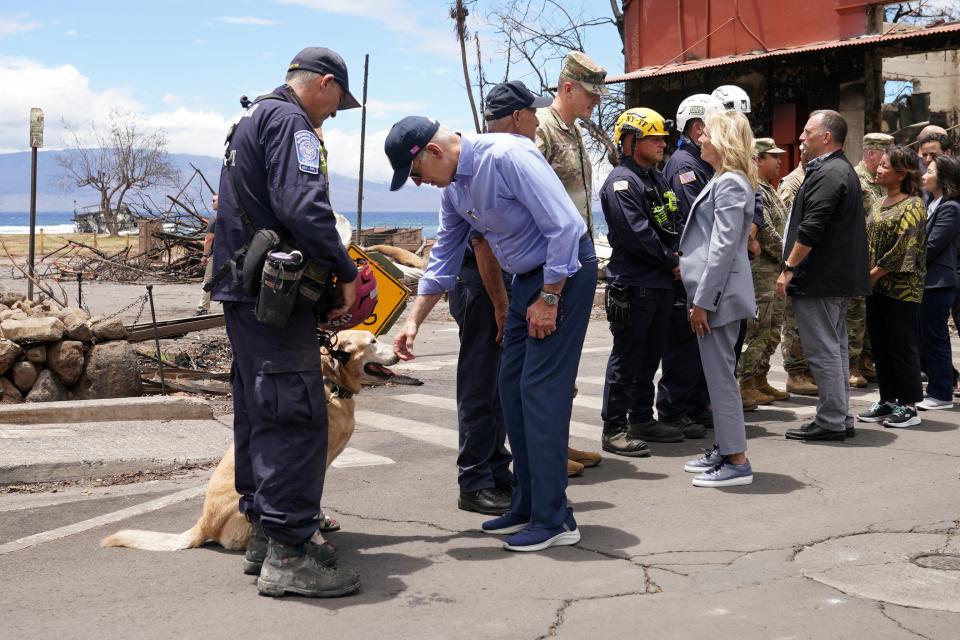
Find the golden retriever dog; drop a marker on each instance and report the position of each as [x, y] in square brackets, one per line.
[357, 359]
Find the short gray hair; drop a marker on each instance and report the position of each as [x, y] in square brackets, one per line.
[300, 76]
[834, 123]
[501, 125]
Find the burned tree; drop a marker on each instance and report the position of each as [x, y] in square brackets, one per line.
[118, 159]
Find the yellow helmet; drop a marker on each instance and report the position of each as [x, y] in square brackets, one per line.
[640, 121]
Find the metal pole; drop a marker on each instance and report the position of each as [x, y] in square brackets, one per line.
[156, 340]
[79, 289]
[363, 141]
[33, 220]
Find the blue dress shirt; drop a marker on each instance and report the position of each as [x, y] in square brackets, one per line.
[505, 190]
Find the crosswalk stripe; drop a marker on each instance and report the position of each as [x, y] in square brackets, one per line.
[447, 438]
[579, 429]
[351, 457]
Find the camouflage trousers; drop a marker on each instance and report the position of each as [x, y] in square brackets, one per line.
[857, 331]
[763, 332]
[793, 360]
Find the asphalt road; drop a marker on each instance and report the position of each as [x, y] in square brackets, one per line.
[820, 546]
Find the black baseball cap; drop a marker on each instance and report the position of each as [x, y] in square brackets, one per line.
[507, 97]
[405, 140]
[322, 60]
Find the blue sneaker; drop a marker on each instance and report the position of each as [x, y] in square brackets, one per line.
[709, 459]
[506, 524]
[725, 474]
[539, 538]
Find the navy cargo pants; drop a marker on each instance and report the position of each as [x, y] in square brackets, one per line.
[280, 421]
[536, 389]
[637, 348]
[483, 461]
[683, 388]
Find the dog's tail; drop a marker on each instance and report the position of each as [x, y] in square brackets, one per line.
[155, 540]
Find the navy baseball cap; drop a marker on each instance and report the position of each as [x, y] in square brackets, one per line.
[507, 97]
[405, 140]
[326, 61]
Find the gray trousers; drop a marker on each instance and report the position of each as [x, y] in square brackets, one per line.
[822, 324]
[204, 304]
[719, 368]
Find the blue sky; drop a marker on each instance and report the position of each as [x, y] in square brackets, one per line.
[184, 64]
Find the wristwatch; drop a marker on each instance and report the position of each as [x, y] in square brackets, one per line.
[552, 299]
[788, 268]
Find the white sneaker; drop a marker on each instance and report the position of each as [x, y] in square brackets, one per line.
[930, 402]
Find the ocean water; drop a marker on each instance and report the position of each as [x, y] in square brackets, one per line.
[62, 221]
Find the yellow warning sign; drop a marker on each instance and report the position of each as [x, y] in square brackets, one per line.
[391, 296]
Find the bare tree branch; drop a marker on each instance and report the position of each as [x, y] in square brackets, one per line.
[459, 13]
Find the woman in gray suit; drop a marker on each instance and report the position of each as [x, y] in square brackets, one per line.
[715, 270]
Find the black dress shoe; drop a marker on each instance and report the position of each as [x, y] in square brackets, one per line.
[849, 432]
[490, 502]
[814, 432]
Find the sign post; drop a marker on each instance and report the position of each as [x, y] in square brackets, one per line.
[36, 141]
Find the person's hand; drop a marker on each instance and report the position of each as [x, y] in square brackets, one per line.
[782, 282]
[541, 319]
[349, 292]
[204, 260]
[698, 321]
[403, 343]
[753, 248]
[874, 276]
[676, 272]
[500, 317]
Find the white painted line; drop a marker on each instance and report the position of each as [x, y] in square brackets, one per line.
[431, 365]
[351, 457]
[602, 349]
[10, 433]
[588, 401]
[439, 436]
[579, 429]
[99, 521]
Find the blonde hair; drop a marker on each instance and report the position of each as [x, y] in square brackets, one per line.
[729, 132]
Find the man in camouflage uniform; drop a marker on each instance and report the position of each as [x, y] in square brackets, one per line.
[799, 378]
[862, 369]
[763, 332]
[559, 137]
[560, 140]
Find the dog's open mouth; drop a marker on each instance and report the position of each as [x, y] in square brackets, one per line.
[378, 370]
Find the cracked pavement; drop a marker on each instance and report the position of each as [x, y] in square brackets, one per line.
[818, 547]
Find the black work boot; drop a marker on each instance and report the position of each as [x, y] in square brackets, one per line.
[704, 417]
[690, 428]
[291, 569]
[615, 440]
[256, 548]
[654, 431]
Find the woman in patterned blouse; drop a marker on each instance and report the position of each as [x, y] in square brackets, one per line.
[897, 238]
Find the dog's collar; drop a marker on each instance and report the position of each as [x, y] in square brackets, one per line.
[339, 391]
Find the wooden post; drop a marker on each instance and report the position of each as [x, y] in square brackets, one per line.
[95, 240]
[41, 241]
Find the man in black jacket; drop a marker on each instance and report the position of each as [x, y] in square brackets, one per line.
[825, 264]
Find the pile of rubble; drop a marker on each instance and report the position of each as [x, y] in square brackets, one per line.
[48, 353]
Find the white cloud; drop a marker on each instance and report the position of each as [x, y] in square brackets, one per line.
[171, 98]
[73, 33]
[394, 15]
[381, 109]
[344, 148]
[65, 94]
[250, 21]
[10, 25]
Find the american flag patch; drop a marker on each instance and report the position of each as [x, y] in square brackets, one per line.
[687, 177]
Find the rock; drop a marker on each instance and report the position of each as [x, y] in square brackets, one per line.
[42, 329]
[24, 305]
[39, 311]
[36, 353]
[76, 312]
[65, 359]
[25, 375]
[47, 389]
[111, 329]
[10, 298]
[111, 372]
[78, 329]
[3, 307]
[9, 353]
[9, 394]
[13, 314]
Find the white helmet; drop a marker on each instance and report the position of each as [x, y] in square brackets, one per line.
[697, 106]
[733, 98]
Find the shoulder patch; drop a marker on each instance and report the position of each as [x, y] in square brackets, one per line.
[687, 177]
[308, 151]
[621, 185]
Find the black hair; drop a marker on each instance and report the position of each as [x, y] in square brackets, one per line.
[904, 160]
[948, 176]
[944, 141]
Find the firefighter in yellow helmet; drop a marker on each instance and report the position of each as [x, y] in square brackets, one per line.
[643, 231]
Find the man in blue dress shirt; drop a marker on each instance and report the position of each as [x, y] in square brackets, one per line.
[500, 186]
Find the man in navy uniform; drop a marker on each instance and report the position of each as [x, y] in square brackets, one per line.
[275, 177]
[641, 214]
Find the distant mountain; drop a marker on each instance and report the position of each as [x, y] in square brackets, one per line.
[15, 187]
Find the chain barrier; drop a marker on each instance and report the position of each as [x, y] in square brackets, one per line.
[142, 301]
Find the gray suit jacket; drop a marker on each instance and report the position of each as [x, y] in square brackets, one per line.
[714, 264]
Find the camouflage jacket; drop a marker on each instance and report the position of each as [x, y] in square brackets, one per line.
[789, 186]
[872, 192]
[564, 149]
[771, 236]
